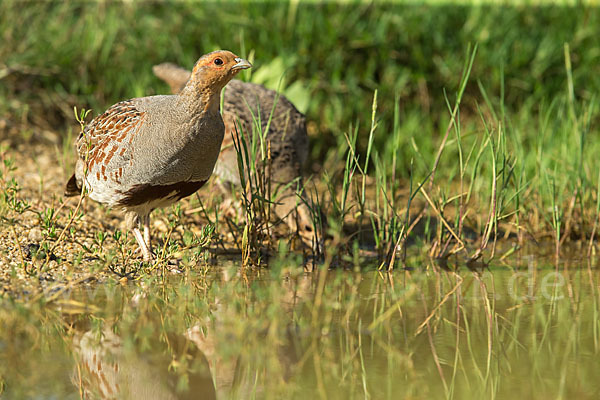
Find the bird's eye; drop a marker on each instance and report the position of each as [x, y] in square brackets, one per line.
[218, 61]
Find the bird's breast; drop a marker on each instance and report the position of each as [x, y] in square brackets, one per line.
[180, 151]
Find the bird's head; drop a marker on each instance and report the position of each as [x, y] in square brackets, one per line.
[214, 70]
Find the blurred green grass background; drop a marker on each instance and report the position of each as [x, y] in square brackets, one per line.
[333, 55]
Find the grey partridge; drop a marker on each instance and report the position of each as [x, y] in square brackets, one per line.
[245, 103]
[152, 151]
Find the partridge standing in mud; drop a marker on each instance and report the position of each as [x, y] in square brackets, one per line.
[243, 104]
[150, 152]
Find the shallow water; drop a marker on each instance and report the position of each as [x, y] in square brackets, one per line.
[282, 333]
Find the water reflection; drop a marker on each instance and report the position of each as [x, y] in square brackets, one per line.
[173, 368]
[499, 333]
[172, 365]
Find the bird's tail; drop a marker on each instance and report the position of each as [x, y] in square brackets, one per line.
[72, 188]
[174, 75]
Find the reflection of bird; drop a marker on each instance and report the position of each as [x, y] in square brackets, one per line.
[150, 152]
[105, 369]
[148, 361]
[248, 105]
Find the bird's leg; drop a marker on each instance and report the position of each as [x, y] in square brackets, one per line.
[133, 222]
[146, 223]
[143, 247]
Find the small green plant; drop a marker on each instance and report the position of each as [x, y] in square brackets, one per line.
[99, 239]
[123, 267]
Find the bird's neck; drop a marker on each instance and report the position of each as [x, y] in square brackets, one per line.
[201, 97]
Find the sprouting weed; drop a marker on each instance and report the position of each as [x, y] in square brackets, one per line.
[121, 240]
[81, 116]
[175, 216]
[99, 239]
[202, 241]
[11, 197]
[47, 217]
[9, 166]
[172, 248]
[51, 232]
[123, 270]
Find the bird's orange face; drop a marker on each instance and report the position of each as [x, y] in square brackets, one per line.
[219, 67]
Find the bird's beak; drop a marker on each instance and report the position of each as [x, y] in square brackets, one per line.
[241, 64]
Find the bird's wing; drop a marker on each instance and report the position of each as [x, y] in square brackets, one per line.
[110, 133]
